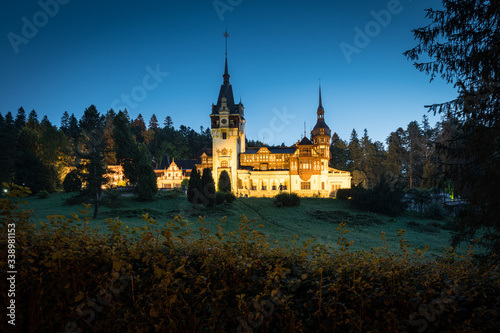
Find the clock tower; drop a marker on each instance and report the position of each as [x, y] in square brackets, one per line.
[228, 131]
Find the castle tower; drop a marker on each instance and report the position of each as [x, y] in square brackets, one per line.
[228, 131]
[321, 135]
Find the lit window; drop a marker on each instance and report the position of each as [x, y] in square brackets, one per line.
[305, 185]
[224, 164]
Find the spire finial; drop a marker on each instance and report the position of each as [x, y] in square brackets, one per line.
[226, 35]
[320, 103]
[321, 111]
[226, 72]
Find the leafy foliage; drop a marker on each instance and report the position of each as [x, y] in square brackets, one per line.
[164, 277]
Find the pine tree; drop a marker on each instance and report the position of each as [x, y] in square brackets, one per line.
[339, 154]
[20, 121]
[208, 186]
[355, 153]
[413, 145]
[146, 186]
[33, 120]
[90, 149]
[461, 43]
[194, 187]
[65, 123]
[138, 128]
[125, 147]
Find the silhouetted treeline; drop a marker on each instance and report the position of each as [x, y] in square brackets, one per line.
[39, 154]
[409, 158]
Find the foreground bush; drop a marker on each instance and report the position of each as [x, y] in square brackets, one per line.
[168, 278]
[287, 199]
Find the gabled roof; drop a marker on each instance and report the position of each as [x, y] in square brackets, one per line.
[185, 164]
[305, 142]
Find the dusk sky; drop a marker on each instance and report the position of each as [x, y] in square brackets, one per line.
[168, 58]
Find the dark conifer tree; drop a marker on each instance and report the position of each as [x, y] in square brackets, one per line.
[146, 187]
[461, 43]
[224, 183]
[20, 121]
[208, 186]
[194, 187]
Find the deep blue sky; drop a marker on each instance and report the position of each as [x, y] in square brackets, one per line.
[93, 52]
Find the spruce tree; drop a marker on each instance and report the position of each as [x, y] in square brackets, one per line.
[194, 186]
[461, 46]
[224, 184]
[208, 186]
[146, 186]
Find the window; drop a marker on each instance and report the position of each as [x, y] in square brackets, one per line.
[274, 187]
[224, 164]
[305, 185]
[224, 135]
[264, 187]
[254, 188]
[322, 185]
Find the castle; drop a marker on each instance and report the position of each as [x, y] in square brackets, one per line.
[259, 172]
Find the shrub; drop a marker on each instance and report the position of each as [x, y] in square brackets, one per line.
[220, 197]
[69, 273]
[344, 193]
[287, 199]
[230, 197]
[72, 182]
[381, 199]
[42, 194]
[435, 211]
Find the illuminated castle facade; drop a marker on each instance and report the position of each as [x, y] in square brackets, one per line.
[302, 168]
[258, 172]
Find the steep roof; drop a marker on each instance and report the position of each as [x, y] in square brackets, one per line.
[305, 142]
[226, 91]
[320, 123]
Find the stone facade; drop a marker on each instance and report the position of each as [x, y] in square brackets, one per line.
[263, 171]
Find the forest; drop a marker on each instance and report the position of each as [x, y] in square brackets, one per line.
[39, 154]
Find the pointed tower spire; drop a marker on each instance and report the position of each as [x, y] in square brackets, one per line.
[321, 111]
[226, 72]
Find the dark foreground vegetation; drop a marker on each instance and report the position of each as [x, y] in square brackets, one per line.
[159, 278]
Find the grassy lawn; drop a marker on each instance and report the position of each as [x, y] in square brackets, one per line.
[314, 217]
